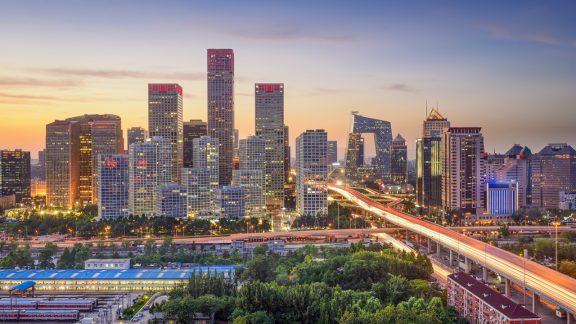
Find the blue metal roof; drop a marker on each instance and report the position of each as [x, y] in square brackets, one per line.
[95, 274]
[25, 285]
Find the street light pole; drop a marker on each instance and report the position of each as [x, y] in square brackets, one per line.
[556, 227]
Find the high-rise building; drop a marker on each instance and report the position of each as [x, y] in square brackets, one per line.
[382, 131]
[399, 157]
[494, 162]
[434, 124]
[230, 202]
[165, 119]
[137, 135]
[311, 173]
[150, 165]
[501, 197]
[354, 156]
[517, 167]
[429, 161]
[553, 171]
[332, 152]
[200, 191]
[38, 170]
[287, 154]
[250, 175]
[113, 187]
[429, 172]
[72, 149]
[171, 200]
[207, 154]
[195, 128]
[270, 127]
[567, 200]
[463, 166]
[15, 174]
[221, 107]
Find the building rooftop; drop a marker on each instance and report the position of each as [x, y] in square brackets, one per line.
[557, 148]
[498, 301]
[129, 274]
[108, 260]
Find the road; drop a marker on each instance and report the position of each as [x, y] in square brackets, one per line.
[544, 281]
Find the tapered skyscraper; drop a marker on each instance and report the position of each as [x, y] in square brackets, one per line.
[221, 107]
[270, 127]
[165, 119]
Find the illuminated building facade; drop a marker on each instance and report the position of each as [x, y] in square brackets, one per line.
[171, 200]
[382, 131]
[230, 202]
[332, 152]
[15, 174]
[399, 157]
[165, 120]
[192, 129]
[137, 135]
[501, 197]
[150, 165]
[221, 107]
[434, 124]
[250, 174]
[553, 171]
[72, 149]
[463, 166]
[270, 127]
[429, 172]
[311, 173]
[200, 191]
[113, 188]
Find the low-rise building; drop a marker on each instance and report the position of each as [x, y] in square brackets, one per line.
[478, 303]
[567, 200]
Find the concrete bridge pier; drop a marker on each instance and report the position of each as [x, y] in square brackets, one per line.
[451, 257]
[507, 287]
[438, 250]
[569, 318]
[535, 302]
[484, 273]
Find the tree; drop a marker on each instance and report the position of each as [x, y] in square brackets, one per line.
[46, 254]
[504, 230]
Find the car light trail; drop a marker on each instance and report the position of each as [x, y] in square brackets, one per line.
[546, 282]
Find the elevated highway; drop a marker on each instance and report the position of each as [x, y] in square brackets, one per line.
[540, 280]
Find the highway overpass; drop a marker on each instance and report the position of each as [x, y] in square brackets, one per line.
[540, 280]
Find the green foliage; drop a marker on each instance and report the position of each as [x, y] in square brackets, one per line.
[74, 259]
[19, 256]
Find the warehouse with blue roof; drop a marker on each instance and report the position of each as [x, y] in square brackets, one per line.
[109, 280]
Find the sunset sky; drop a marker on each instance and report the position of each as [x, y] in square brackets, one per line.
[507, 66]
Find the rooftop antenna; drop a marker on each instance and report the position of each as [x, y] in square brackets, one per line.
[426, 107]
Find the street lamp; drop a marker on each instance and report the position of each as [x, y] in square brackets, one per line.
[556, 228]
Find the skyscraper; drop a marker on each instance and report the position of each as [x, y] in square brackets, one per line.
[165, 119]
[332, 152]
[150, 165]
[270, 127]
[221, 107]
[399, 157]
[429, 172]
[429, 161]
[15, 174]
[311, 173]
[72, 149]
[382, 131]
[250, 174]
[113, 187]
[553, 171]
[137, 135]
[463, 166]
[517, 167]
[287, 154]
[195, 128]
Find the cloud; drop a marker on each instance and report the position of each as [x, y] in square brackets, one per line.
[286, 34]
[541, 38]
[400, 87]
[119, 74]
[26, 98]
[33, 82]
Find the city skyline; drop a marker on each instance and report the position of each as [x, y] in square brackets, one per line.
[482, 68]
